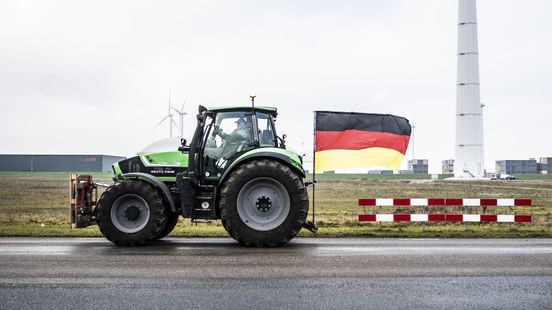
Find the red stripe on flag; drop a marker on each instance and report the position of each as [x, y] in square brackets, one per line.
[436, 217]
[367, 202]
[488, 202]
[454, 218]
[522, 202]
[454, 202]
[401, 217]
[367, 217]
[435, 201]
[401, 202]
[359, 139]
[522, 218]
[488, 218]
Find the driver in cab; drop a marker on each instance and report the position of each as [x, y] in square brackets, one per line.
[232, 142]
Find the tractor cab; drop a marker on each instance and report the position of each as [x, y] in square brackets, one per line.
[230, 132]
[224, 134]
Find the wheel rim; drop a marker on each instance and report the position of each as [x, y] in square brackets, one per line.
[263, 204]
[130, 213]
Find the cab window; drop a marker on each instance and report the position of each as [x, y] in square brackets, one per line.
[230, 134]
[266, 134]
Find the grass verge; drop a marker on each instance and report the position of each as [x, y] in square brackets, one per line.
[369, 231]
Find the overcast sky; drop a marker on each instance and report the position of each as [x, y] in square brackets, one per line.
[93, 76]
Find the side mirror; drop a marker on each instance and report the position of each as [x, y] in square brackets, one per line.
[284, 136]
[183, 148]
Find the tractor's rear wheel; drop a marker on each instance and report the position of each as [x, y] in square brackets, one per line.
[131, 213]
[263, 203]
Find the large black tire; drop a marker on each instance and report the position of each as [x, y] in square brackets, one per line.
[172, 220]
[264, 187]
[131, 213]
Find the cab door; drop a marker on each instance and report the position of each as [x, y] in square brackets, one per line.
[229, 135]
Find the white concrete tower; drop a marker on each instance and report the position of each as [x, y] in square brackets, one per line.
[469, 161]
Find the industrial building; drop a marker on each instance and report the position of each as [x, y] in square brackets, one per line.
[57, 163]
[544, 165]
[524, 166]
[418, 165]
[447, 166]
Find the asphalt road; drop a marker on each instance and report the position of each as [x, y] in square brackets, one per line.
[307, 273]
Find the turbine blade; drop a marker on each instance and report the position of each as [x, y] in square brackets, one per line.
[161, 122]
[172, 121]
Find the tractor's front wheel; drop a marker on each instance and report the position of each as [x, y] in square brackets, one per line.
[263, 203]
[131, 213]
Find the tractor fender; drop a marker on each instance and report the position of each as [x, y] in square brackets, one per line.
[155, 182]
[257, 155]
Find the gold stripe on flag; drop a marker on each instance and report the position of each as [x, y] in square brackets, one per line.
[342, 159]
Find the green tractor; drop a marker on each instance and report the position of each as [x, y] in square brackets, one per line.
[235, 169]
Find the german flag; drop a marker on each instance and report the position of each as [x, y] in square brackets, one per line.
[353, 140]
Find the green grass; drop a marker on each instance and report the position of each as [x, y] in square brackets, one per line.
[51, 175]
[417, 176]
[394, 230]
[28, 200]
[38, 230]
[534, 176]
[364, 176]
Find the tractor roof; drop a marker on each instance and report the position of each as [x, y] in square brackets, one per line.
[269, 110]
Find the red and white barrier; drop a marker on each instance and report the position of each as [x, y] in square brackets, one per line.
[469, 202]
[499, 218]
[424, 202]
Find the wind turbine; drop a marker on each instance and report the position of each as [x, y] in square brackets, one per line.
[168, 117]
[181, 113]
[469, 160]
